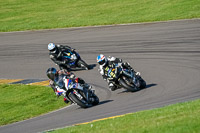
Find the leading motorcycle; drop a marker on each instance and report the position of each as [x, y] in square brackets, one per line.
[76, 92]
[125, 78]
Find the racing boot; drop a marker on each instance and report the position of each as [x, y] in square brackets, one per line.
[112, 86]
[66, 100]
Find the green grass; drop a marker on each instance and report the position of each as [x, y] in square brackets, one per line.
[178, 118]
[19, 102]
[17, 15]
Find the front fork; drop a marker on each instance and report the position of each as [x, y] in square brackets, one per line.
[131, 76]
[67, 97]
[87, 94]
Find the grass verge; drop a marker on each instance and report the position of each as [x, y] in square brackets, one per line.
[178, 118]
[17, 15]
[20, 102]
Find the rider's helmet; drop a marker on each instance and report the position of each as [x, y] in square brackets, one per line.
[102, 60]
[51, 73]
[52, 47]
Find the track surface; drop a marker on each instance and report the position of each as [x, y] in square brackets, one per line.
[167, 54]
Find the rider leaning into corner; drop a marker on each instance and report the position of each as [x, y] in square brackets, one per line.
[55, 53]
[110, 62]
[52, 74]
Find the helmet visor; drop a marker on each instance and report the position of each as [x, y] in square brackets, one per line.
[53, 50]
[51, 72]
[51, 76]
[102, 62]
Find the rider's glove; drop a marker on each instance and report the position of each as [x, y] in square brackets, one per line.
[137, 73]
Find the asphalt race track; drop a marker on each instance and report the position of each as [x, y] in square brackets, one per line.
[167, 54]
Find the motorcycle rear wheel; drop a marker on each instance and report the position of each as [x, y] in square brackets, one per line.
[82, 64]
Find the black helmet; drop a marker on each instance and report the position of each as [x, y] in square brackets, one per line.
[51, 73]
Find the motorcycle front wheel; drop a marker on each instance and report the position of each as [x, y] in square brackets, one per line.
[142, 83]
[126, 85]
[80, 102]
[96, 100]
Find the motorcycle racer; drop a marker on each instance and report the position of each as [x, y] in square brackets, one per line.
[53, 74]
[56, 53]
[111, 62]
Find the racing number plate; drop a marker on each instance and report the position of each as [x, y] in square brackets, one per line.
[110, 72]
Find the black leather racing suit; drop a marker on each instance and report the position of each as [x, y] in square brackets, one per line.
[57, 55]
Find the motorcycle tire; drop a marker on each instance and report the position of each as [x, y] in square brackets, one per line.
[78, 101]
[82, 64]
[126, 86]
[96, 101]
[142, 84]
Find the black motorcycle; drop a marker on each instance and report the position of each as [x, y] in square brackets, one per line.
[125, 78]
[74, 60]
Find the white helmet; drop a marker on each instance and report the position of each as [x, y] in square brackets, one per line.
[51, 46]
[102, 60]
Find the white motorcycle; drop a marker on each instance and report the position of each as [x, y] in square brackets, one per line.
[76, 92]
